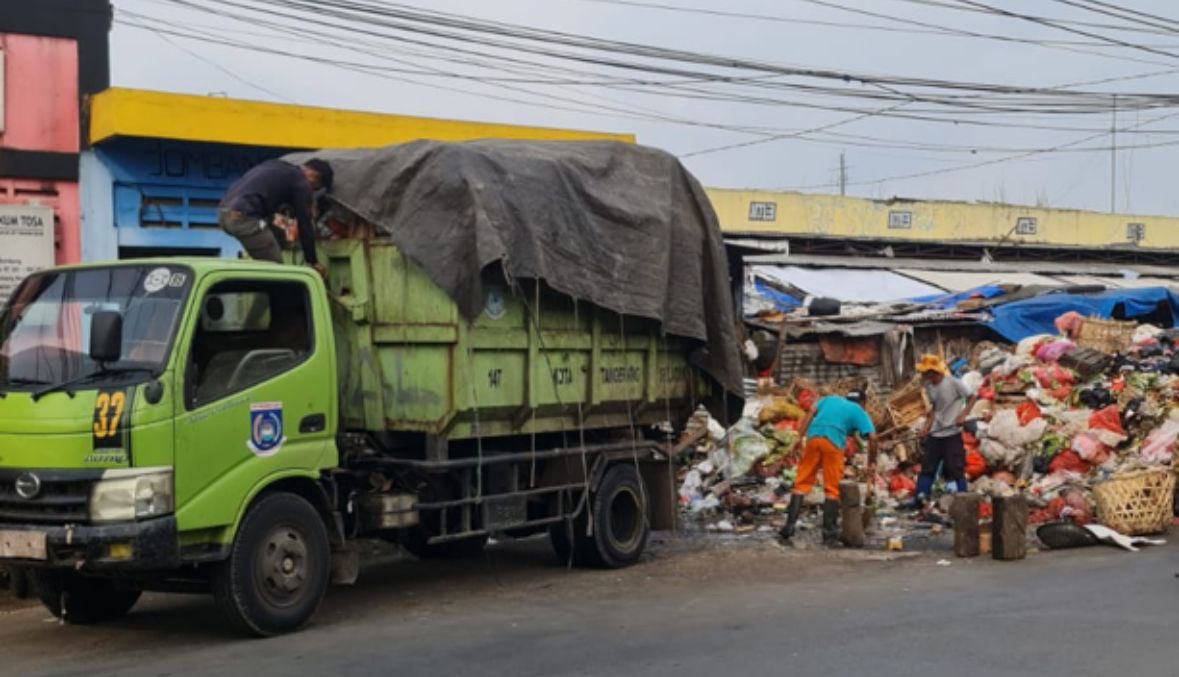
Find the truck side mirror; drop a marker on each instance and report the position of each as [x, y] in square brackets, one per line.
[106, 336]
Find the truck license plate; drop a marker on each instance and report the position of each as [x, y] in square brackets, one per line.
[22, 545]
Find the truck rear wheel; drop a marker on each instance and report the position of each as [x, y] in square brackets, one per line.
[279, 567]
[82, 601]
[618, 511]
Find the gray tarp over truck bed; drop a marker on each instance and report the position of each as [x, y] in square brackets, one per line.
[622, 226]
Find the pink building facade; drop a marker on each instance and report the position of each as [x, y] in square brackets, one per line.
[54, 53]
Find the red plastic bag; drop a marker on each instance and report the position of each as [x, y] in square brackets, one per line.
[1027, 412]
[1107, 419]
[1068, 460]
[807, 399]
[976, 465]
[1053, 376]
[984, 510]
[901, 485]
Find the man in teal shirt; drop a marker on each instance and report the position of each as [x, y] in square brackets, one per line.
[824, 435]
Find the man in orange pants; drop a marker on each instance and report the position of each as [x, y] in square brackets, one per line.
[824, 435]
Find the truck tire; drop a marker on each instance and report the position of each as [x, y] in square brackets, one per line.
[278, 569]
[620, 530]
[620, 519]
[79, 600]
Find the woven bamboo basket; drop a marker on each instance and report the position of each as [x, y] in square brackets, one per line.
[1137, 502]
[1108, 336]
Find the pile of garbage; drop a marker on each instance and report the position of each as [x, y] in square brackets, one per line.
[1055, 416]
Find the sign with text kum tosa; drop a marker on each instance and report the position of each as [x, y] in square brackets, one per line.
[26, 243]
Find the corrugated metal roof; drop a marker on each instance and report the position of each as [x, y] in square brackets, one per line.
[956, 281]
[849, 284]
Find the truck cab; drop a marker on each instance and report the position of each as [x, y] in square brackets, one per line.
[143, 406]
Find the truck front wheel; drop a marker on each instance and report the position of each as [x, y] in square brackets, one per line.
[82, 601]
[278, 568]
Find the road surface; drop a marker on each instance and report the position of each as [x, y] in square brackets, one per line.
[721, 610]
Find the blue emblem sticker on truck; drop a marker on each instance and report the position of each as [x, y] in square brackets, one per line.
[266, 434]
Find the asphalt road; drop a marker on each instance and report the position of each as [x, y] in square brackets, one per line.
[720, 611]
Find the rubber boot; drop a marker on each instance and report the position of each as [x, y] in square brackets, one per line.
[924, 489]
[830, 522]
[787, 531]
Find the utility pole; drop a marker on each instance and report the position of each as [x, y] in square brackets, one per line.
[842, 175]
[1113, 158]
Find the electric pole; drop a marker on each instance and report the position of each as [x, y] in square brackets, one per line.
[1113, 158]
[842, 175]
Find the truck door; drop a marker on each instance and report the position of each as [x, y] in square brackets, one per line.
[258, 390]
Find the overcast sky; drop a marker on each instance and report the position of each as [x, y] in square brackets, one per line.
[1145, 177]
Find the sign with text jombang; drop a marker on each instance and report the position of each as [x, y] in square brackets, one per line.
[26, 243]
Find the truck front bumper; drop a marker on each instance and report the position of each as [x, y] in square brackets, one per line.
[127, 546]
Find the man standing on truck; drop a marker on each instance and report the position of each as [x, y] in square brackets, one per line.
[824, 435]
[250, 207]
[950, 400]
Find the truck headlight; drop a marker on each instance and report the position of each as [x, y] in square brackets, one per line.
[131, 493]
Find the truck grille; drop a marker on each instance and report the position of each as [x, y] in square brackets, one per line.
[63, 497]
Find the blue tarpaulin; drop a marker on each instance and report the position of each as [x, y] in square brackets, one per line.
[951, 300]
[783, 301]
[1020, 319]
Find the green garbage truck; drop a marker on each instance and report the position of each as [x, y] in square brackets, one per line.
[193, 424]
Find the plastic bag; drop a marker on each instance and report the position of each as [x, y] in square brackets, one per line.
[1068, 461]
[976, 465]
[1005, 428]
[1027, 412]
[807, 399]
[1159, 445]
[748, 448]
[779, 408]
[1051, 376]
[1027, 347]
[1107, 419]
[1106, 425]
[972, 380]
[1090, 449]
[901, 486]
[1052, 352]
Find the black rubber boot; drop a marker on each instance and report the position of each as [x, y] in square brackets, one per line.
[830, 522]
[787, 532]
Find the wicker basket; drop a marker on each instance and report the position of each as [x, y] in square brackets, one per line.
[1108, 336]
[1137, 502]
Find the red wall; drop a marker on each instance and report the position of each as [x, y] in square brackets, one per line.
[41, 114]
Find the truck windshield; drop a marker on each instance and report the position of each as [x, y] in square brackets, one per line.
[45, 326]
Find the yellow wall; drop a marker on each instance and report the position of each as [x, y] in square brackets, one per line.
[797, 213]
[139, 113]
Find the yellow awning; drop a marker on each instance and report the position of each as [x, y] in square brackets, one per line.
[184, 117]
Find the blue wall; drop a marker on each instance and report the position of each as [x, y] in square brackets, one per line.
[144, 195]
